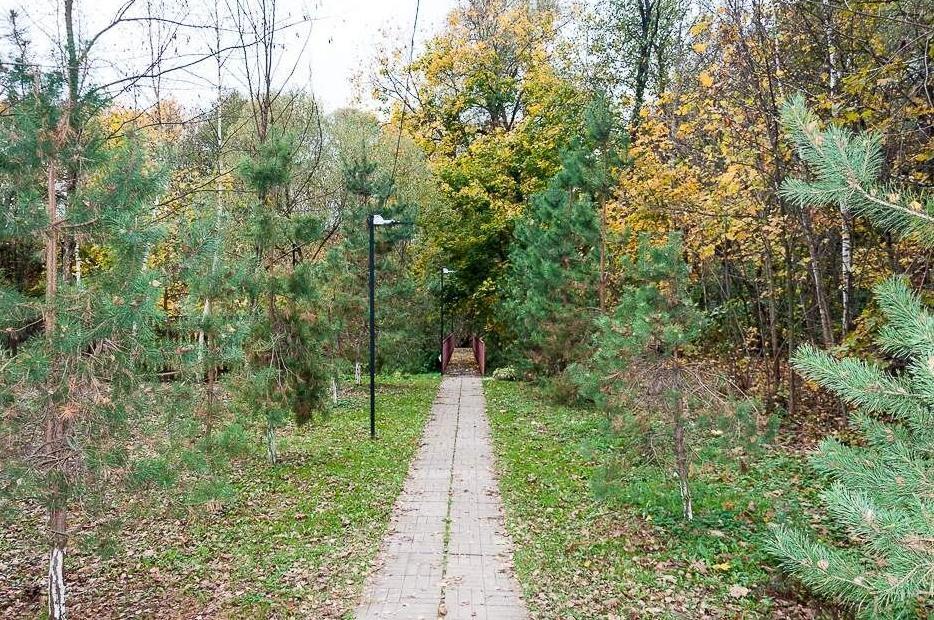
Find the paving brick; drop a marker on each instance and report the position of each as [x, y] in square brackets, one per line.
[450, 487]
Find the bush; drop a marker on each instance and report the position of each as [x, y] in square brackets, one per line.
[233, 440]
[562, 389]
[211, 491]
[194, 461]
[153, 472]
[506, 373]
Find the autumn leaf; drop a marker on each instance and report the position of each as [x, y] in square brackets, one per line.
[699, 28]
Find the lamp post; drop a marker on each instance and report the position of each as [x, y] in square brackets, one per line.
[373, 221]
[444, 271]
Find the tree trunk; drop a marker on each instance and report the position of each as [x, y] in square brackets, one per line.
[272, 453]
[334, 389]
[648, 25]
[210, 401]
[846, 266]
[56, 577]
[823, 307]
[846, 219]
[682, 464]
[55, 430]
[602, 284]
[791, 325]
[774, 353]
[69, 248]
[832, 74]
[55, 425]
[356, 373]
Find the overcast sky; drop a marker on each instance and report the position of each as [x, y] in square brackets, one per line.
[328, 51]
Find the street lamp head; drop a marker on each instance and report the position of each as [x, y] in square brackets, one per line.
[378, 220]
[446, 271]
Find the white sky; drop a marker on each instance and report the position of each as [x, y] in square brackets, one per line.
[329, 52]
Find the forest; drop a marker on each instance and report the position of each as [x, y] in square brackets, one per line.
[688, 241]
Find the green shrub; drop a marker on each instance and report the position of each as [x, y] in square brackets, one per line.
[562, 389]
[233, 440]
[194, 461]
[210, 490]
[153, 472]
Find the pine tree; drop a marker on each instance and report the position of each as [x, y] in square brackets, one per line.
[84, 195]
[374, 180]
[400, 307]
[557, 265]
[881, 492]
[211, 308]
[287, 378]
[207, 270]
[638, 364]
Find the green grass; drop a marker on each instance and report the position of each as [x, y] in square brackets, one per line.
[301, 536]
[237, 538]
[596, 544]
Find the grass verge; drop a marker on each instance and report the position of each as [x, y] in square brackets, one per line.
[628, 554]
[238, 539]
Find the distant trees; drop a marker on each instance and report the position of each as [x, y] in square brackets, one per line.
[709, 158]
[635, 45]
[487, 105]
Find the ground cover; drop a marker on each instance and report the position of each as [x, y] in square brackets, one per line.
[225, 535]
[595, 543]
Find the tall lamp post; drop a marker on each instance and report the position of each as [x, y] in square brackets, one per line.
[444, 271]
[373, 221]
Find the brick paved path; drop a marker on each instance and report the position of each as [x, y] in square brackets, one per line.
[447, 554]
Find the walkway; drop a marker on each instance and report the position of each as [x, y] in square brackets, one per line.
[447, 554]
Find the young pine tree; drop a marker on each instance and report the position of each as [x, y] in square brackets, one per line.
[557, 266]
[881, 492]
[287, 377]
[211, 309]
[401, 308]
[638, 366]
[213, 275]
[84, 196]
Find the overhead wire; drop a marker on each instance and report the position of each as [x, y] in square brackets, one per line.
[408, 78]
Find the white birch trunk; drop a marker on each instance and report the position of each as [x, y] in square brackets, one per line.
[846, 229]
[686, 505]
[682, 464]
[846, 264]
[56, 583]
[356, 373]
[334, 390]
[831, 48]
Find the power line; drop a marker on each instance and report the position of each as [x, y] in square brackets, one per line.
[408, 78]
